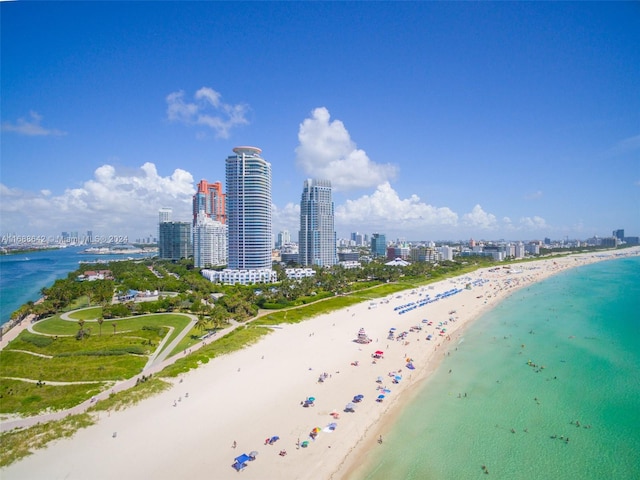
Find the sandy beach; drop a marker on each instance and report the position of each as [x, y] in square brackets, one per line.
[230, 406]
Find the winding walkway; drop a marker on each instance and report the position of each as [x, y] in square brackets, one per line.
[158, 361]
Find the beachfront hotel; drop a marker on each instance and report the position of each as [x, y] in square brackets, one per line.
[317, 236]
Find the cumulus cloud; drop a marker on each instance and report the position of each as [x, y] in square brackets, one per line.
[31, 127]
[206, 110]
[384, 208]
[326, 151]
[111, 203]
[478, 218]
[533, 223]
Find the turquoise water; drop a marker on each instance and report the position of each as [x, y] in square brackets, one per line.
[23, 275]
[583, 327]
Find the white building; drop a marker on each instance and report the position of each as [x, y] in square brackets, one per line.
[209, 242]
[230, 276]
[248, 206]
[299, 273]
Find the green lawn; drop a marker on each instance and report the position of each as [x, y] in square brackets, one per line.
[56, 326]
[87, 314]
[29, 398]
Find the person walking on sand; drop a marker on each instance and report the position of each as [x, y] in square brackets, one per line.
[380, 440]
[234, 445]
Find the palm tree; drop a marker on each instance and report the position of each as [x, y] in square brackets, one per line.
[100, 321]
[202, 322]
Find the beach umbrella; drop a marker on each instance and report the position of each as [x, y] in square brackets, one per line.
[312, 399]
[253, 454]
[305, 444]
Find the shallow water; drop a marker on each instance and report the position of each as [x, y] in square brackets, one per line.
[580, 331]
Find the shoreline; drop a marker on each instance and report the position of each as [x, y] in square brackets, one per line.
[259, 390]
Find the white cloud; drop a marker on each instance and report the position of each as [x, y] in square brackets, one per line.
[385, 210]
[207, 110]
[478, 218]
[111, 203]
[533, 223]
[326, 151]
[31, 127]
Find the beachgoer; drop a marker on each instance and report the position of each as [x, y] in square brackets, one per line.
[380, 439]
[234, 444]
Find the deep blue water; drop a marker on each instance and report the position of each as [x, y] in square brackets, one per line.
[583, 327]
[22, 276]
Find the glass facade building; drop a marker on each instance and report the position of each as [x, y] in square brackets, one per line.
[248, 207]
[174, 241]
[317, 237]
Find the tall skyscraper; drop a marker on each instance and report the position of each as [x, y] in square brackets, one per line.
[248, 206]
[209, 242]
[210, 200]
[317, 237]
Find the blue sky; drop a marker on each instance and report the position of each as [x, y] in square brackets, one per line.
[432, 120]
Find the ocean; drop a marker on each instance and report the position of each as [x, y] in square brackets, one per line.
[546, 385]
[23, 275]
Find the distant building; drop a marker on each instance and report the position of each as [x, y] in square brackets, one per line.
[317, 236]
[348, 256]
[209, 242]
[165, 214]
[446, 252]
[619, 234]
[378, 245]
[174, 240]
[284, 238]
[632, 240]
[209, 199]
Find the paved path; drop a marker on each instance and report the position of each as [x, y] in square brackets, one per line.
[156, 366]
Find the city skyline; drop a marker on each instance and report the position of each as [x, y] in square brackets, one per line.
[487, 121]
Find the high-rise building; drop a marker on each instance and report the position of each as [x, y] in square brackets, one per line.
[317, 236]
[248, 209]
[209, 242]
[284, 238]
[209, 199]
[378, 245]
[165, 214]
[174, 240]
[619, 234]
